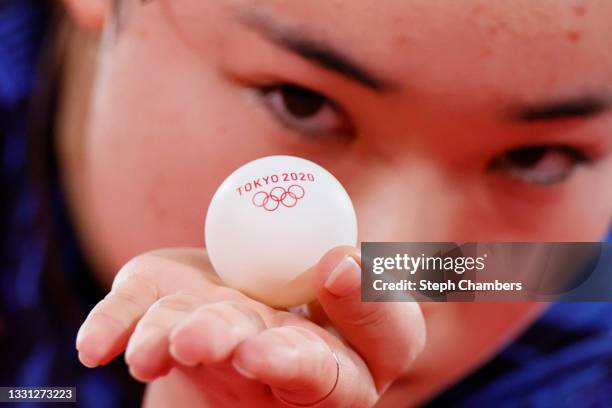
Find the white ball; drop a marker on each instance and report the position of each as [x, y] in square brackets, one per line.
[270, 221]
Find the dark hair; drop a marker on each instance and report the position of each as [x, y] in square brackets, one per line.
[43, 172]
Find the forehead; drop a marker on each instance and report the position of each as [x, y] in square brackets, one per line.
[522, 48]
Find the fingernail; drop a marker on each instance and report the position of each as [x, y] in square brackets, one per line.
[191, 345]
[90, 347]
[243, 371]
[87, 334]
[144, 339]
[180, 358]
[86, 361]
[79, 338]
[345, 278]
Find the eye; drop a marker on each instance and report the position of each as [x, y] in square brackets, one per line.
[306, 111]
[542, 165]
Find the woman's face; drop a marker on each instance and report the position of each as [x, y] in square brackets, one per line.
[444, 120]
[447, 120]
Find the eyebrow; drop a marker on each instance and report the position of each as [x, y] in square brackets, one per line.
[327, 56]
[577, 107]
[315, 50]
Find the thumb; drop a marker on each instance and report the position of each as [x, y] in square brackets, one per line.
[387, 335]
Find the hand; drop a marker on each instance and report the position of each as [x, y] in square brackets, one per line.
[168, 311]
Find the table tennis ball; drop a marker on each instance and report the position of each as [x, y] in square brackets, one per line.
[270, 221]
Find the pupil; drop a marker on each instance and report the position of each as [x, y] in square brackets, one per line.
[301, 102]
[527, 156]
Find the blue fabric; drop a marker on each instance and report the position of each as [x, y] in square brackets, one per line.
[563, 360]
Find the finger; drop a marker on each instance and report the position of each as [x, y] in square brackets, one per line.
[300, 368]
[212, 331]
[139, 283]
[105, 332]
[147, 353]
[388, 336]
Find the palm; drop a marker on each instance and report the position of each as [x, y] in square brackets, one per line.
[180, 328]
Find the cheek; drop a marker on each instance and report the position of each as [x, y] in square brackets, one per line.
[157, 148]
[416, 202]
[578, 210]
[590, 207]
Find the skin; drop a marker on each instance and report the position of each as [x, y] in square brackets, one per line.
[158, 115]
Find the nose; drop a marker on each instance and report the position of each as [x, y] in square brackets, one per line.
[408, 200]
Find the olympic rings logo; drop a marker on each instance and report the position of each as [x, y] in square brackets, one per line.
[278, 195]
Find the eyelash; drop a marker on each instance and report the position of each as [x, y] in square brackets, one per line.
[520, 168]
[519, 163]
[344, 129]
